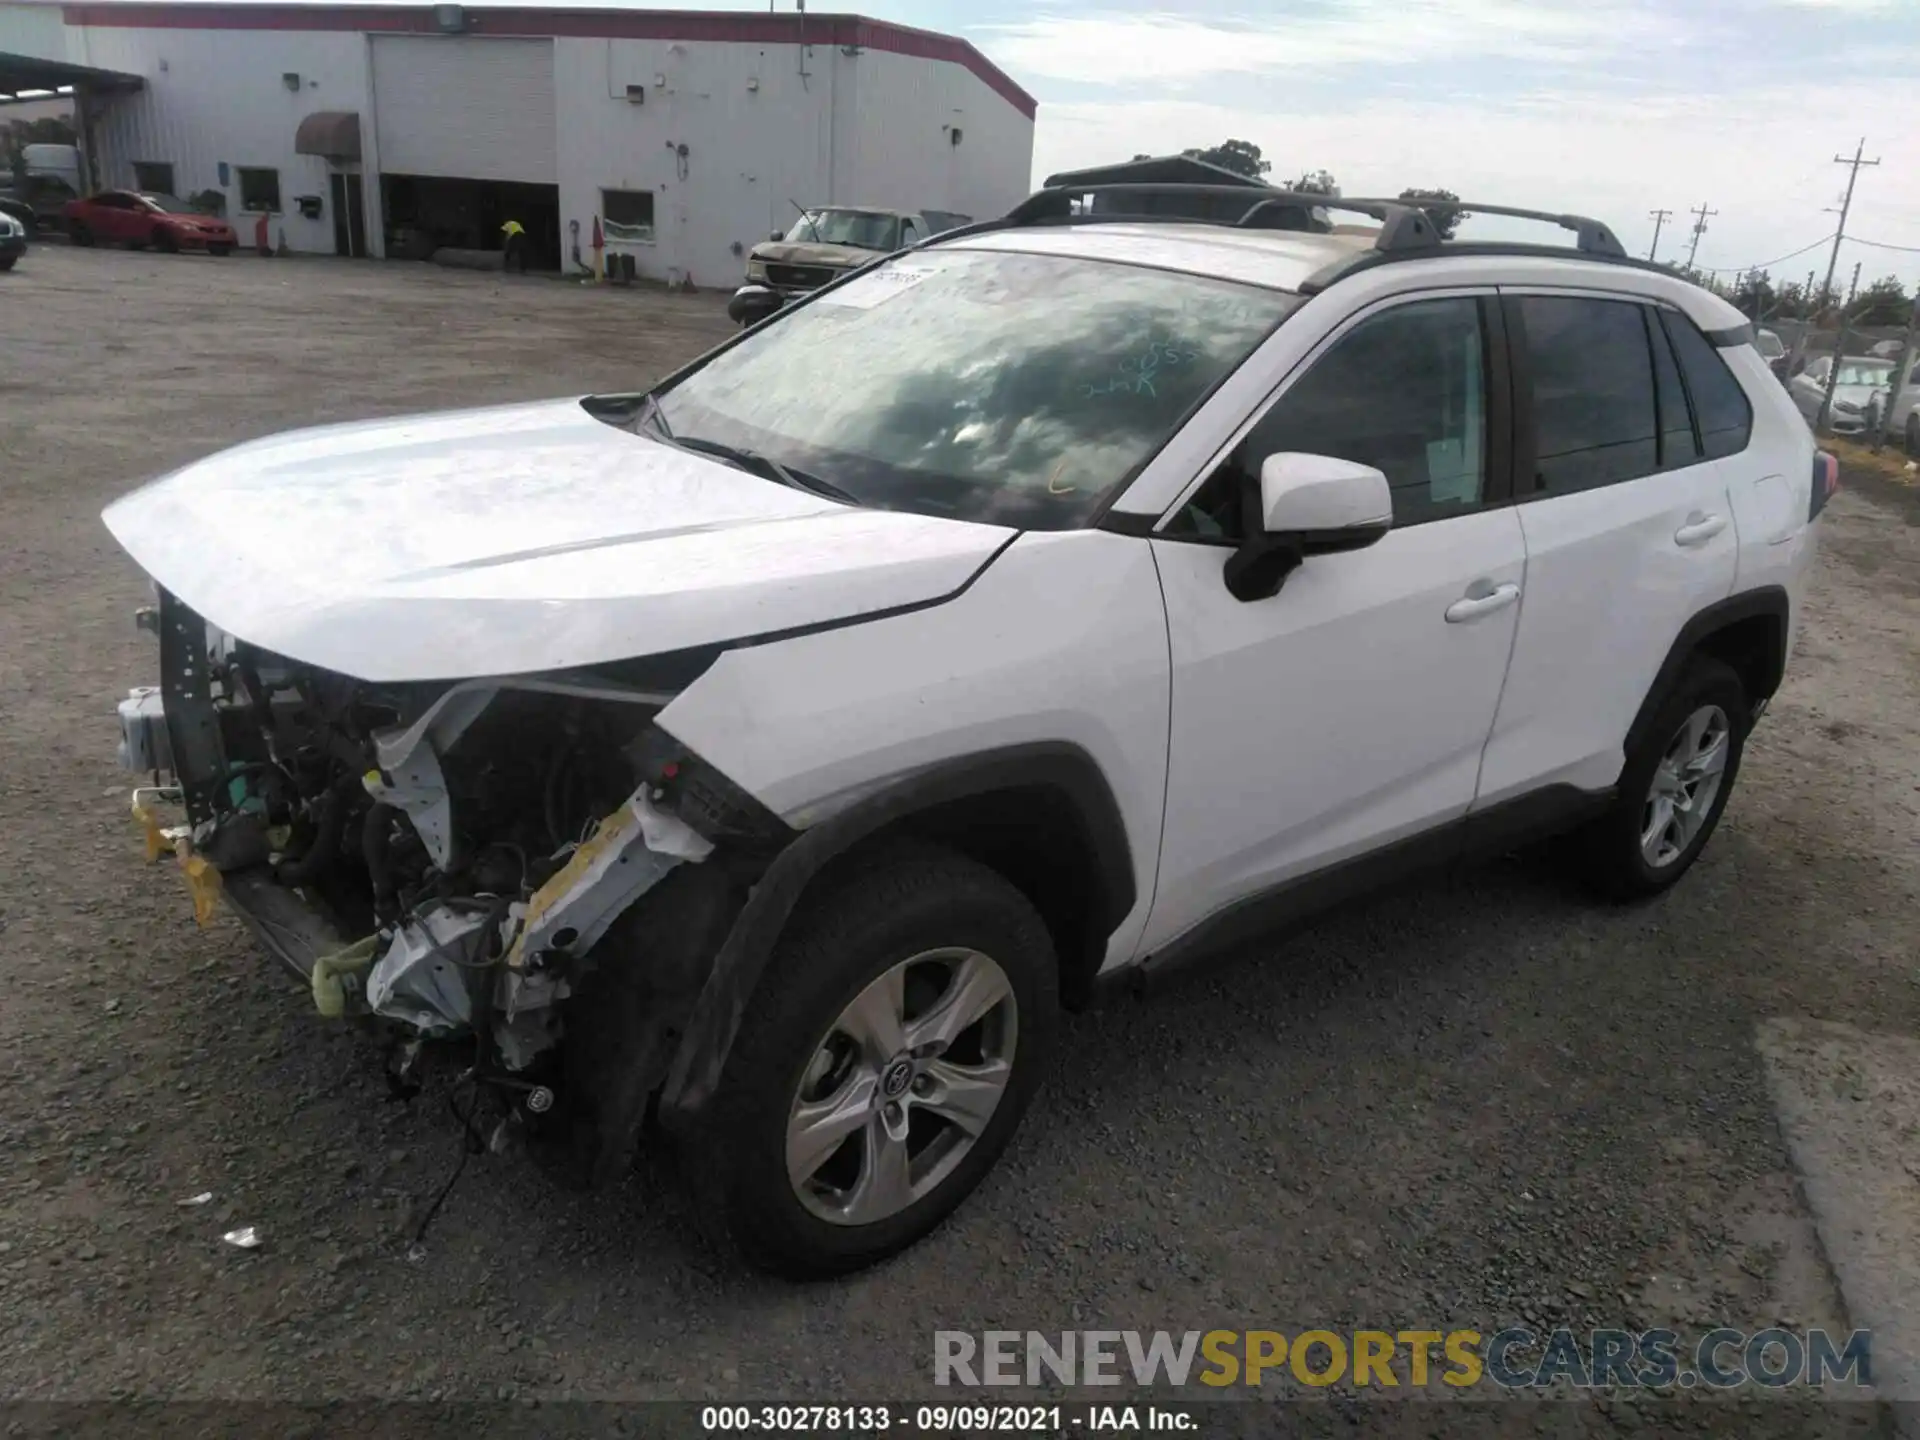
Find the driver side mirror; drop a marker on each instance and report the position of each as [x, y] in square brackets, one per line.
[776, 235]
[1305, 505]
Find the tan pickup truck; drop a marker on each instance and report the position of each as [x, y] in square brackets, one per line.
[824, 244]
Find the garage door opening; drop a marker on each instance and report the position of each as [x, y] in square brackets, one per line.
[425, 213]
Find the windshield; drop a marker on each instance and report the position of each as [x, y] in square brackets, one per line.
[1864, 372]
[1768, 344]
[172, 205]
[860, 228]
[1011, 389]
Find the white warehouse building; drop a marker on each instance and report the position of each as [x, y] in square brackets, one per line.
[363, 130]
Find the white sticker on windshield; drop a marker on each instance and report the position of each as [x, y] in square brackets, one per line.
[875, 288]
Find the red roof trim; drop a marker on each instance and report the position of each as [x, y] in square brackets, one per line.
[742, 28]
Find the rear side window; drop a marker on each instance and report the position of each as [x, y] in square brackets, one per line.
[1594, 415]
[1678, 444]
[1719, 404]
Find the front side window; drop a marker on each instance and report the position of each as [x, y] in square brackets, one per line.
[1719, 404]
[1404, 391]
[1594, 419]
[861, 229]
[166, 204]
[1012, 389]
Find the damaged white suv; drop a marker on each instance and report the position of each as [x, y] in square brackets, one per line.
[764, 760]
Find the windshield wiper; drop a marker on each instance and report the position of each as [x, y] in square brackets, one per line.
[765, 465]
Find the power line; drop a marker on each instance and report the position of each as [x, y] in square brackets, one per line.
[1769, 264]
[1699, 229]
[1879, 245]
[1659, 217]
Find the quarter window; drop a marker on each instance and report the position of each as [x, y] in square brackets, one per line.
[1404, 391]
[1594, 419]
[1725, 416]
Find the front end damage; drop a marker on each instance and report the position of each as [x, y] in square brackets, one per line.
[527, 866]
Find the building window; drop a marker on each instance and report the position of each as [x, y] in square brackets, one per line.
[259, 189]
[631, 211]
[153, 176]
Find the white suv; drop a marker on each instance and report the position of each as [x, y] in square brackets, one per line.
[765, 760]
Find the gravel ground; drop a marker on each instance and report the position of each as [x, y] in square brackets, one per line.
[1471, 1103]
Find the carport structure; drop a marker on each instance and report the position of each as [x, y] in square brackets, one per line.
[25, 78]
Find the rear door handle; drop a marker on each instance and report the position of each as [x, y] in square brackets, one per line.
[1699, 529]
[1482, 598]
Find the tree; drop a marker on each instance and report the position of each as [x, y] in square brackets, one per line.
[1240, 156]
[1885, 302]
[1446, 218]
[16, 134]
[1316, 182]
[1753, 294]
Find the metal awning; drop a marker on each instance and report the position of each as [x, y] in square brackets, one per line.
[56, 77]
[334, 134]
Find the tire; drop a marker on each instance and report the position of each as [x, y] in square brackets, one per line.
[1615, 854]
[78, 234]
[7, 263]
[1913, 435]
[219, 250]
[164, 240]
[940, 920]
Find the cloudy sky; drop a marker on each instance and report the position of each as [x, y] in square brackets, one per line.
[1608, 107]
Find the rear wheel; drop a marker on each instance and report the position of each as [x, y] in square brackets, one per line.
[6, 262]
[165, 241]
[1913, 435]
[79, 234]
[1673, 788]
[882, 1067]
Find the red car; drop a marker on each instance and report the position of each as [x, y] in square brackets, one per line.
[140, 218]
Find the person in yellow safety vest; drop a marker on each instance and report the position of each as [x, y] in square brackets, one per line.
[515, 244]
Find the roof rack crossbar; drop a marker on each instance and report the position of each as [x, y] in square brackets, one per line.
[1590, 235]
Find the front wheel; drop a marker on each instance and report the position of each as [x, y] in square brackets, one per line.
[1673, 788]
[78, 234]
[883, 1065]
[219, 250]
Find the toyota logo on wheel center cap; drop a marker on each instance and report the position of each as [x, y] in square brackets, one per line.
[899, 1075]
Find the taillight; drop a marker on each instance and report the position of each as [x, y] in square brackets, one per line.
[1826, 480]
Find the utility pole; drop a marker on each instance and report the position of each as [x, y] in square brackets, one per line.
[1659, 218]
[1833, 260]
[1699, 229]
[1839, 354]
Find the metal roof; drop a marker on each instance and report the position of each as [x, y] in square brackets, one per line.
[31, 72]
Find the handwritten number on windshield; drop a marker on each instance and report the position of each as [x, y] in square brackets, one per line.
[1136, 373]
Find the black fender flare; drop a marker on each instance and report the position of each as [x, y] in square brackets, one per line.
[1769, 601]
[701, 1056]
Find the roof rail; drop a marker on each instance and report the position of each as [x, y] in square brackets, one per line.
[1409, 229]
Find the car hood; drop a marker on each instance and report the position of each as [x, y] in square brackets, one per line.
[516, 539]
[796, 252]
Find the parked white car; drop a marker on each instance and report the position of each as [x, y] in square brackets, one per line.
[772, 755]
[1860, 379]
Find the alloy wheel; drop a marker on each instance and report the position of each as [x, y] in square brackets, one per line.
[1685, 784]
[902, 1085]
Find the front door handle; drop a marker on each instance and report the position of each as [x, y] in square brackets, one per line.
[1482, 598]
[1699, 529]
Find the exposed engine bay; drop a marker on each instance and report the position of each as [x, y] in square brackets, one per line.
[442, 859]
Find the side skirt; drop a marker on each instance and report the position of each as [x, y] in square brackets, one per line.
[1476, 837]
